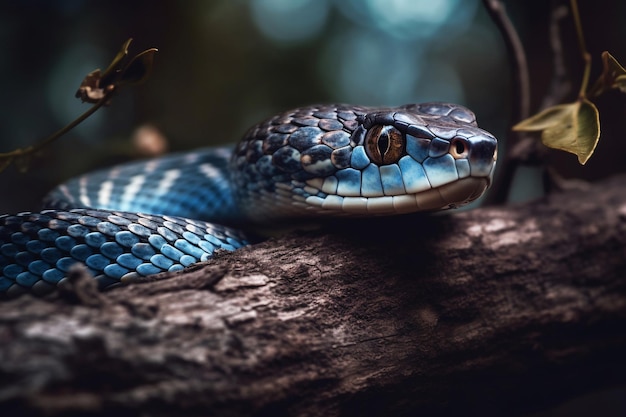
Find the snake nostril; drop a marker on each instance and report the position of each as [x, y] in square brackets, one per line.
[459, 148]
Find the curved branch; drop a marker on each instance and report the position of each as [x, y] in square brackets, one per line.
[520, 103]
[471, 313]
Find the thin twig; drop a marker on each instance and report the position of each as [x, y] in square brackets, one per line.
[517, 58]
[96, 88]
[583, 49]
[560, 85]
[34, 148]
[521, 97]
[105, 99]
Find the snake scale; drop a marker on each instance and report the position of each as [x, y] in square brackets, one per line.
[164, 214]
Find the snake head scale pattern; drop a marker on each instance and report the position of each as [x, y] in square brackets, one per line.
[347, 160]
[146, 217]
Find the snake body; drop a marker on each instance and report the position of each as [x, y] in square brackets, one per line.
[327, 160]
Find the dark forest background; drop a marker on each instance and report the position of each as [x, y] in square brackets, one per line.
[224, 65]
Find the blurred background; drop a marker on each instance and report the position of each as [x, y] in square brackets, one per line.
[224, 65]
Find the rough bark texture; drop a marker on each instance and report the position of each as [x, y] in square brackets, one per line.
[496, 311]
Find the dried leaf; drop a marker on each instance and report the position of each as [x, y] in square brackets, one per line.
[110, 74]
[139, 68]
[620, 83]
[97, 85]
[545, 119]
[572, 127]
[613, 76]
[89, 90]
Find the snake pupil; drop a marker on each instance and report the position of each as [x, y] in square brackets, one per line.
[384, 145]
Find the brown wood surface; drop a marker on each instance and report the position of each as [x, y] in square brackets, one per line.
[495, 311]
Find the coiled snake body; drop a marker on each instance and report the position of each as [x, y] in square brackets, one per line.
[328, 160]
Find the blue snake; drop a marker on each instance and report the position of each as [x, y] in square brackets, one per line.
[147, 217]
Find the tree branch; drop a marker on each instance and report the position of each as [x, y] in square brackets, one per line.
[496, 311]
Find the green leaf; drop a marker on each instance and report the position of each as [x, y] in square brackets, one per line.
[613, 76]
[139, 69]
[573, 127]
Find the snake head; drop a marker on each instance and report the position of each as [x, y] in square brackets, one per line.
[342, 159]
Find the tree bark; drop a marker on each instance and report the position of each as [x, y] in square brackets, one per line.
[497, 311]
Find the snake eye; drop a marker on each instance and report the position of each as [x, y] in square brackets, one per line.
[459, 148]
[384, 144]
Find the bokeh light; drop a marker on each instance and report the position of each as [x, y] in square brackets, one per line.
[224, 65]
[411, 19]
[382, 57]
[290, 20]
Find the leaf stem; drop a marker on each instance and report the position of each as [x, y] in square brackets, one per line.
[583, 50]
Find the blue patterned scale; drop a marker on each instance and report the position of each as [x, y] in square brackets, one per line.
[328, 160]
[38, 249]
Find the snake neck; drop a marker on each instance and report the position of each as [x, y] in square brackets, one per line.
[193, 185]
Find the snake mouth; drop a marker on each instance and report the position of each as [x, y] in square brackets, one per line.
[451, 195]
